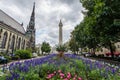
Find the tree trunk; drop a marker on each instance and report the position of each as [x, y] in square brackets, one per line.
[60, 54]
[74, 51]
[111, 49]
[93, 51]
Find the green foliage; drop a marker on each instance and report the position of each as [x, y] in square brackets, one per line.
[23, 54]
[100, 26]
[29, 49]
[8, 58]
[44, 70]
[72, 66]
[73, 45]
[100, 55]
[2, 77]
[60, 48]
[94, 75]
[16, 57]
[32, 77]
[0, 54]
[67, 46]
[46, 47]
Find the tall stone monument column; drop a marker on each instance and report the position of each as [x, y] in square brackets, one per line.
[60, 33]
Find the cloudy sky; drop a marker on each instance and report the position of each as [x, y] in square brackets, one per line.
[48, 14]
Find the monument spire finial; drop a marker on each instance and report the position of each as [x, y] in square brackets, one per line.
[60, 23]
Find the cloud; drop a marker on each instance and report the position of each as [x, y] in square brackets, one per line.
[47, 16]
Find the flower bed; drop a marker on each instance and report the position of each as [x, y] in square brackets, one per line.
[71, 67]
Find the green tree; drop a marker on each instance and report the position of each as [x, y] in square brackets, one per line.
[84, 38]
[45, 47]
[73, 45]
[67, 46]
[100, 26]
[110, 32]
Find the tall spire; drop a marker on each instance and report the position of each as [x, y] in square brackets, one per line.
[32, 19]
[33, 12]
[31, 30]
[60, 32]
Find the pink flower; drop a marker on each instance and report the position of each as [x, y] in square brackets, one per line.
[68, 75]
[74, 78]
[79, 78]
[61, 74]
[49, 77]
[59, 71]
[61, 77]
[52, 74]
[66, 79]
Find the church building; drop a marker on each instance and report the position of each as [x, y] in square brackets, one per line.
[13, 35]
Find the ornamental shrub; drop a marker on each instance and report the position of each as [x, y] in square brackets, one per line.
[16, 57]
[60, 48]
[23, 54]
[8, 58]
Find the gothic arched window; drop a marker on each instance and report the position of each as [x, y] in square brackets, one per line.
[4, 40]
[0, 32]
[23, 44]
[12, 43]
[19, 41]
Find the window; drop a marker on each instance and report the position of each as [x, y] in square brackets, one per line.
[19, 41]
[12, 43]
[0, 32]
[4, 40]
[23, 44]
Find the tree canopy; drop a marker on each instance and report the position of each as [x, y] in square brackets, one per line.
[101, 24]
[45, 47]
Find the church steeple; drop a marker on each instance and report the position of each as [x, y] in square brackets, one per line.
[30, 32]
[32, 19]
[33, 12]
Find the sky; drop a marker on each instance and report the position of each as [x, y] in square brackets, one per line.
[47, 16]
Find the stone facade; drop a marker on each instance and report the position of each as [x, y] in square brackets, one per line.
[11, 39]
[12, 34]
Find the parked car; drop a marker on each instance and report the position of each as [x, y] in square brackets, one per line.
[3, 60]
[34, 54]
